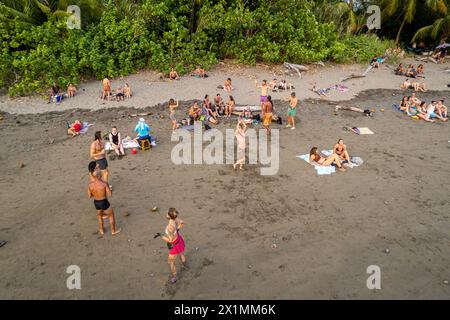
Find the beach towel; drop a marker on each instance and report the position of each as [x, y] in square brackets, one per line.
[127, 143]
[321, 170]
[362, 130]
[86, 126]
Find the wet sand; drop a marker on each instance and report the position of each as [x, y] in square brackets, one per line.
[327, 229]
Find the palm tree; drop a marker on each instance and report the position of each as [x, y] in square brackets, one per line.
[407, 10]
[440, 27]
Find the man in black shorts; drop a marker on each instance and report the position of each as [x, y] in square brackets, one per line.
[98, 153]
[99, 190]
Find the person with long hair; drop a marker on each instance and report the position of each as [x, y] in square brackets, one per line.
[341, 150]
[172, 106]
[240, 137]
[175, 242]
[314, 156]
[230, 107]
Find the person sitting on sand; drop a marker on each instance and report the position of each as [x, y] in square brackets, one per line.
[115, 139]
[75, 128]
[246, 116]
[106, 84]
[71, 90]
[208, 115]
[404, 104]
[431, 112]
[414, 98]
[172, 107]
[374, 62]
[417, 86]
[341, 150]
[219, 104]
[410, 71]
[399, 71]
[143, 132]
[194, 112]
[173, 75]
[227, 85]
[120, 96]
[211, 107]
[200, 73]
[420, 70]
[54, 91]
[229, 107]
[273, 85]
[315, 157]
[421, 112]
[127, 91]
[441, 109]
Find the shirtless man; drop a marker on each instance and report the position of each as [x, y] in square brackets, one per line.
[263, 97]
[98, 153]
[99, 190]
[106, 88]
[292, 111]
[173, 75]
[227, 85]
[267, 115]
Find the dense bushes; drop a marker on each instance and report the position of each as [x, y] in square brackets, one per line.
[166, 33]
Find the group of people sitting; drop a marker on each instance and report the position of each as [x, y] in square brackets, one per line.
[414, 84]
[338, 157]
[120, 94]
[410, 71]
[57, 96]
[414, 107]
[281, 86]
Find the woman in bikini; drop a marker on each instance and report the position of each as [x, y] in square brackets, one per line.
[127, 91]
[404, 103]
[71, 90]
[341, 150]
[227, 85]
[175, 242]
[106, 88]
[267, 115]
[172, 106]
[314, 156]
[421, 112]
[230, 107]
[173, 75]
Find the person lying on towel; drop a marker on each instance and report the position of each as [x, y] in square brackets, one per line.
[316, 158]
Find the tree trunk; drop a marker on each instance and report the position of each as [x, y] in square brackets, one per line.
[397, 39]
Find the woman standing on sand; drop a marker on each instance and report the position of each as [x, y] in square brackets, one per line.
[172, 106]
[240, 136]
[175, 242]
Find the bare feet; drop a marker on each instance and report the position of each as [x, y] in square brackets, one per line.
[342, 169]
[116, 232]
[102, 232]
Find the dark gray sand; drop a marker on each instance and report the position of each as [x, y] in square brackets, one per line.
[327, 229]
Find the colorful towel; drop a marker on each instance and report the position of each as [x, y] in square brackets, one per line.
[86, 126]
[127, 143]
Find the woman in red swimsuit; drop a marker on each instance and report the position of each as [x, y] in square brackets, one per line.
[175, 242]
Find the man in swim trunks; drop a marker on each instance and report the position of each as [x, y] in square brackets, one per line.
[292, 111]
[99, 190]
[268, 114]
[106, 88]
[98, 153]
[263, 97]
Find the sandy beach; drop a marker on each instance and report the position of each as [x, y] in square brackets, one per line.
[294, 235]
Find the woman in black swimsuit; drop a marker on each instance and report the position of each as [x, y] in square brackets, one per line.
[115, 139]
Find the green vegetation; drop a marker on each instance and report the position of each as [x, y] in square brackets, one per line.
[119, 37]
